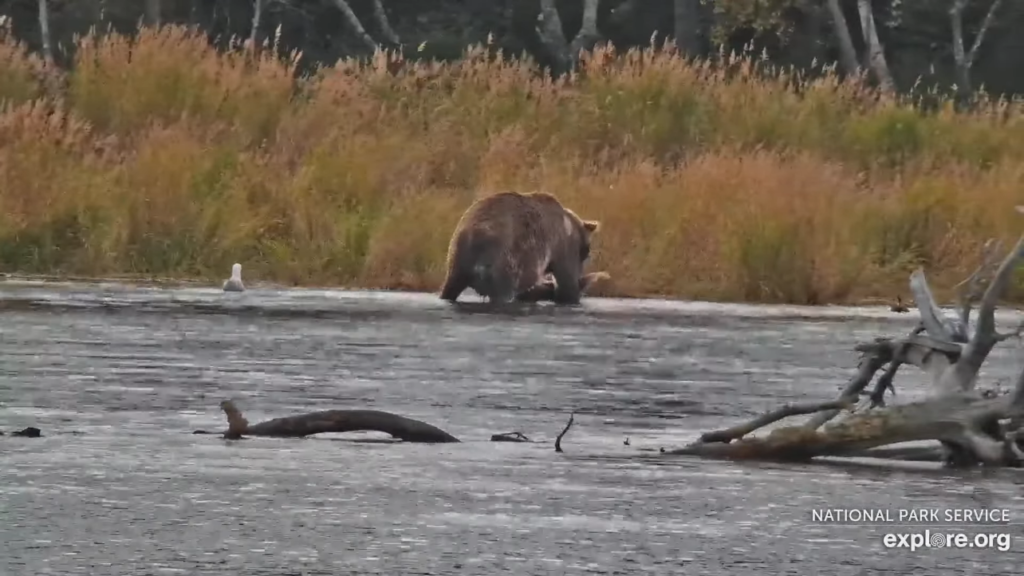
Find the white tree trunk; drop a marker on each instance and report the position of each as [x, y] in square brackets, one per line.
[686, 26]
[44, 31]
[153, 11]
[847, 53]
[257, 15]
[357, 26]
[964, 59]
[386, 30]
[549, 29]
[875, 50]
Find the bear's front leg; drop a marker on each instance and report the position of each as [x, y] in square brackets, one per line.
[567, 279]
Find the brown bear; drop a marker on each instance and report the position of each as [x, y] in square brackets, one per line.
[505, 244]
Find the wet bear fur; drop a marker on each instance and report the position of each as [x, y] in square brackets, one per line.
[507, 243]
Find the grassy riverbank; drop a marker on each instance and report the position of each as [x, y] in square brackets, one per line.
[719, 185]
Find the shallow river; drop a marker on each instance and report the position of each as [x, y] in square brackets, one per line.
[118, 377]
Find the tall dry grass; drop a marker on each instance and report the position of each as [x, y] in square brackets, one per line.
[160, 156]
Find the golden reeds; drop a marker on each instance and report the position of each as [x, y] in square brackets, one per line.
[712, 182]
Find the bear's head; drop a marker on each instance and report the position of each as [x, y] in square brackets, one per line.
[582, 229]
[589, 227]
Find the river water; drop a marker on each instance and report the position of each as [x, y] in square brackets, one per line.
[117, 377]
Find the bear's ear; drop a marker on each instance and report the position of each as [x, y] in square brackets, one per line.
[591, 225]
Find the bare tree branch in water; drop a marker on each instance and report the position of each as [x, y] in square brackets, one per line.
[729, 434]
[558, 441]
[973, 426]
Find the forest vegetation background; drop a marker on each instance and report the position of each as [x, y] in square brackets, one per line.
[792, 151]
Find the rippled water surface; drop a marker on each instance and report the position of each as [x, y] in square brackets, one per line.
[117, 377]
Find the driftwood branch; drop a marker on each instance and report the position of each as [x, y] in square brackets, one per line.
[736, 432]
[510, 437]
[961, 419]
[932, 356]
[935, 323]
[962, 374]
[558, 441]
[885, 381]
[335, 421]
[970, 425]
[874, 355]
[972, 289]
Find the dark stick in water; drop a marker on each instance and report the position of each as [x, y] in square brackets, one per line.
[558, 441]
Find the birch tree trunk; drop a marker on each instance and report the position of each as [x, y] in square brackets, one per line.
[44, 31]
[965, 59]
[257, 15]
[847, 52]
[687, 27]
[153, 13]
[875, 51]
[566, 54]
[357, 26]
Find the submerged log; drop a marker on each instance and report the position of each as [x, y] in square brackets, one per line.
[972, 426]
[510, 437]
[30, 432]
[337, 421]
